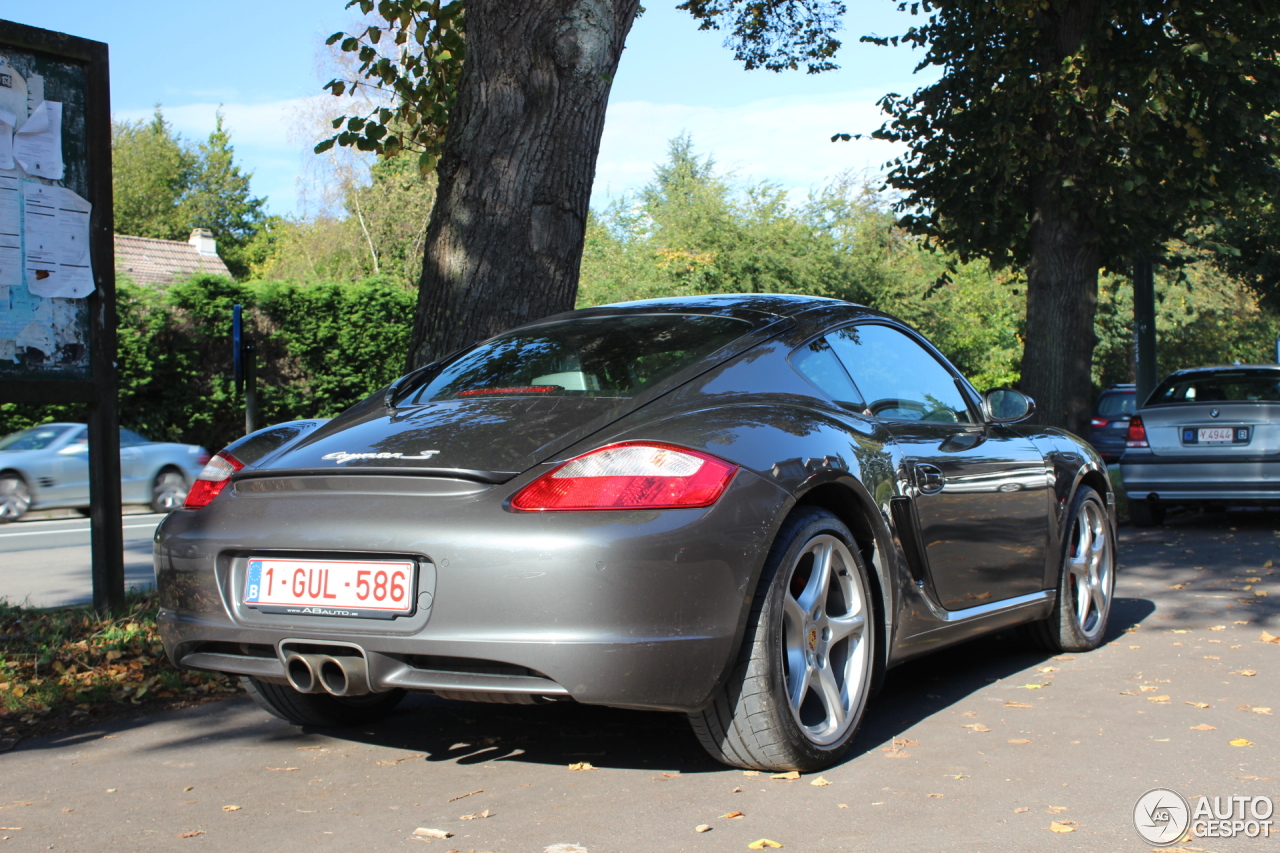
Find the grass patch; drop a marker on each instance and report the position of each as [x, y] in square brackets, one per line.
[65, 666]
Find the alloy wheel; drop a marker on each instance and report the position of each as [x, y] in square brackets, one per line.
[15, 499]
[825, 654]
[1090, 567]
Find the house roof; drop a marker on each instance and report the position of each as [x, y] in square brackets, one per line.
[150, 261]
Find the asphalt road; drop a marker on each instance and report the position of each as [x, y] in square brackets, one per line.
[45, 562]
[982, 747]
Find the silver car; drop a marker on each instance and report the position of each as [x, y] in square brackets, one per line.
[1205, 436]
[47, 467]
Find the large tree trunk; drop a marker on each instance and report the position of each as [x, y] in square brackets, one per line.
[1062, 299]
[1062, 275]
[504, 243]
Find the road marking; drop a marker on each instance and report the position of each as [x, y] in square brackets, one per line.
[72, 530]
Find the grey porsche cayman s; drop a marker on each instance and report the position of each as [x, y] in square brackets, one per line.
[739, 508]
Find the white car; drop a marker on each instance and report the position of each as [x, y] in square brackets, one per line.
[47, 467]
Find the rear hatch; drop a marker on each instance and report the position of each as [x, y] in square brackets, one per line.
[516, 400]
[1232, 412]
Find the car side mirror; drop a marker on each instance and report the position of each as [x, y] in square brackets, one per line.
[1007, 406]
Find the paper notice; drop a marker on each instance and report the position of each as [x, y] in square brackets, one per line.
[37, 146]
[8, 121]
[10, 233]
[56, 232]
[8, 350]
[37, 336]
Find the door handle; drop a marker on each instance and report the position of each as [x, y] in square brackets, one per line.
[929, 479]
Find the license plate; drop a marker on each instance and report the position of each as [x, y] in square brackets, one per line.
[369, 588]
[1215, 434]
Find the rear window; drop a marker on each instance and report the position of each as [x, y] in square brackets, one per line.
[1114, 405]
[1229, 386]
[591, 357]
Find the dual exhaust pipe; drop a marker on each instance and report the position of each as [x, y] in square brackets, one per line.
[337, 675]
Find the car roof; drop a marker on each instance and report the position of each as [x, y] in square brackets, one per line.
[760, 305]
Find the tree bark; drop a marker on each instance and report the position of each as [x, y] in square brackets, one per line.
[504, 242]
[1062, 274]
[1062, 299]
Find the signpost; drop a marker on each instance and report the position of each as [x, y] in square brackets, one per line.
[244, 369]
[57, 269]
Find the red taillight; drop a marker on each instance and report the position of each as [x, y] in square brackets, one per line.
[212, 480]
[631, 475]
[1099, 423]
[1137, 435]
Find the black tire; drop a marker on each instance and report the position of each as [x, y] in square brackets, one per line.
[752, 721]
[15, 497]
[1086, 580]
[168, 490]
[320, 709]
[1145, 513]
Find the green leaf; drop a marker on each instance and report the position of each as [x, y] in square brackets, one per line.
[324, 146]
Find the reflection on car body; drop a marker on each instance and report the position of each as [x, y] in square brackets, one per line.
[649, 505]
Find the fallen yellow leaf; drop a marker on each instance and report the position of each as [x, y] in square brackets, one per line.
[1047, 669]
[1161, 699]
[822, 783]
[1246, 672]
[763, 843]
[1020, 740]
[790, 774]
[427, 832]
[1021, 810]
[1204, 727]
[1135, 647]
[1018, 705]
[1055, 826]
[1057, 809]
[751, 773]
[475, 815]
[582, 765]
[702, 827]
[1197, 704]
[977, 727]
[1179, 630]
[1268, 638]
[1260, 710]
[1240, 742]
[1218, 628]
[936, 796]
[1034, 686]
[1268, 564]
[1148, 688]
[732, 815]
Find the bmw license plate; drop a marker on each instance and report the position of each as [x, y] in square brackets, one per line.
[1215, 435]
[379, 589]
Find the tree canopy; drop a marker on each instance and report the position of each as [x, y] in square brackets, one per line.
[164, 186]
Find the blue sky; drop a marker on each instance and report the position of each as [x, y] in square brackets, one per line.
[260, 61]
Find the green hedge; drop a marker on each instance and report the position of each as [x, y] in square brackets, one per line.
[321, 348]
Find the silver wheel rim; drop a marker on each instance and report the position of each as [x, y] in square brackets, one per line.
[1090, 568]
[170, 491]
[15, 499]
[825, 654]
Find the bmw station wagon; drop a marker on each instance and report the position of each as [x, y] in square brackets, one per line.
[738, 508]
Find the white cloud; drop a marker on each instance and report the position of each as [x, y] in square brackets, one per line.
[786, 141]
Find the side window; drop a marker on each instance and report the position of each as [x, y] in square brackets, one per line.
[817, 363]
[899, 378]
[129, 438]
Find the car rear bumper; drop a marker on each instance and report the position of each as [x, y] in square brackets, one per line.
[636, 608]
[1201, 478]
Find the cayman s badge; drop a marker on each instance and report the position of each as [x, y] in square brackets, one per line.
[342, 456]
[1213, 413]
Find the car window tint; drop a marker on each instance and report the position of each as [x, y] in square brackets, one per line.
[817, 363]
[899, 379]
[589, 357]
[1228, 386]
[36, 438]
[129, 438]
[1114, 405]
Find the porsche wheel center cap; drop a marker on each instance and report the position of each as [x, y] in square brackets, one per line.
[813, 639]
